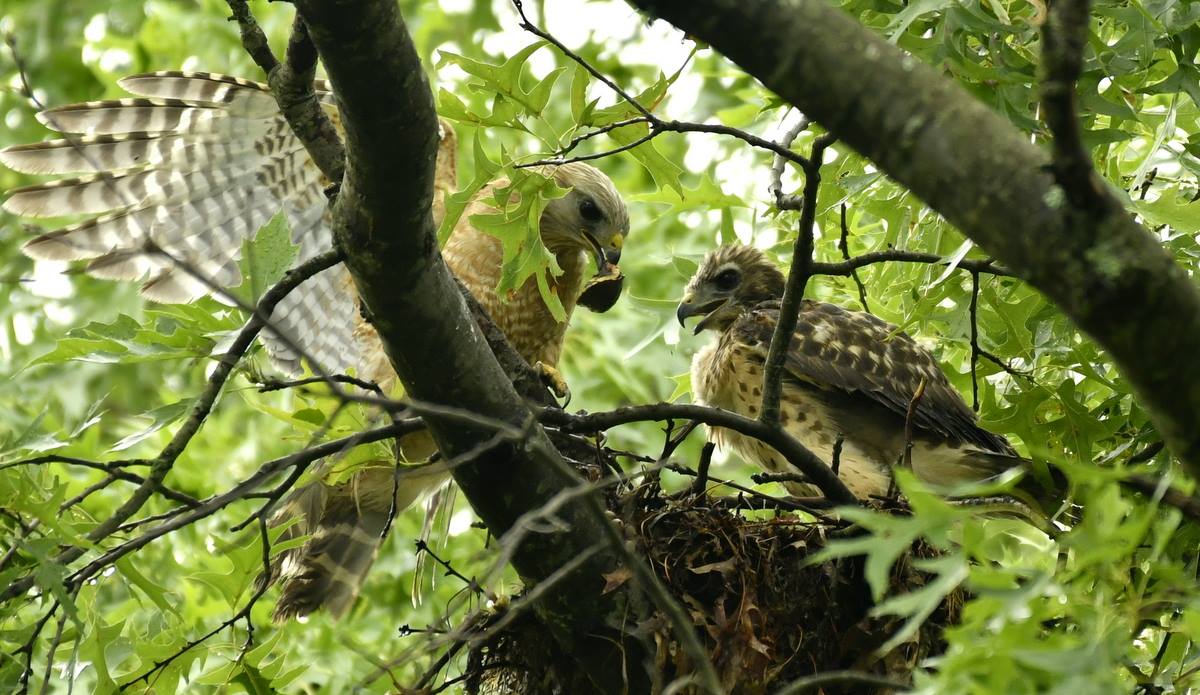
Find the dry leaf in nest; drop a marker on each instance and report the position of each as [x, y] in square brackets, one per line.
[725, 567]
[765, 613]
[615, 579]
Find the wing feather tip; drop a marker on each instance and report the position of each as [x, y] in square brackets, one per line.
[52, 248]
[172, 288]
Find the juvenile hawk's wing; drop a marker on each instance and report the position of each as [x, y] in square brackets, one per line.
[861, 355]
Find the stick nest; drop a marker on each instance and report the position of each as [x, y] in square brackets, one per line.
[766, 614]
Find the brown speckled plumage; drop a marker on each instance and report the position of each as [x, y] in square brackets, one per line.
[846, 373]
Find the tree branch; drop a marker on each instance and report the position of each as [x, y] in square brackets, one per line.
[793, 291]
[240, 491]
[803, 459]
[847, 267]
[977, 170]
[161, 464]
[114, 469]
[1064, 35]
[1160, 490]
[844, 247]
[850, 678]
[657, 125]
[291, 84]
[382, 219]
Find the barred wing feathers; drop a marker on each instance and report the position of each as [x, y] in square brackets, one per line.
[857, 353]
[183, 175]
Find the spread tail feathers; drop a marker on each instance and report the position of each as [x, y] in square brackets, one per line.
[345, 524]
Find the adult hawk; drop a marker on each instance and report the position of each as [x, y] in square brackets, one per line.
[196, 165]
[847, 375]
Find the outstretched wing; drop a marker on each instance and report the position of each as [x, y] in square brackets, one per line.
[181, 177]
[859, 354]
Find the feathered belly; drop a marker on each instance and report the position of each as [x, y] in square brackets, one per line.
[736, 385]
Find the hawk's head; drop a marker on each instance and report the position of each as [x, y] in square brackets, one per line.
[731, 280]
[591, 217]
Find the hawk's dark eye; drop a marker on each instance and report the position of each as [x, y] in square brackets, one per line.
[589, 210]
[727, 279]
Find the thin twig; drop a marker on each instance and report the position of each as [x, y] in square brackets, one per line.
[291, 84]
[655, 131]
[28, 647]
[54, 643]
[775, 188]
[1064, 37]
[673, 442]
[1157, 488]
[657, 125]
[791, 449]
[764, 478]
[1005, 365]
[793, 293]
[852, 678]
[540, 33]
[847, 267]
[812, 505]
[844, 247]
[909, 415]
[276, 385]
[474, 586]
[115, 469]
[701, 481]
[974, 313]
[584, 137]
[440, 663]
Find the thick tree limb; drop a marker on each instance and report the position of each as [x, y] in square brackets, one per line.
[971, 165]
[383, 223]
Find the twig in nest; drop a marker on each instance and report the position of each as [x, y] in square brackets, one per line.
[702, 468]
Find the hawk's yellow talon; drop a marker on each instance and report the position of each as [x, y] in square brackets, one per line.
[553, 379]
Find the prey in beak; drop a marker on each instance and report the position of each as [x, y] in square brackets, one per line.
[604, 289]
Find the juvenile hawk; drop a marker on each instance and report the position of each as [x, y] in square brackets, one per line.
[847, 374]
[196, 165]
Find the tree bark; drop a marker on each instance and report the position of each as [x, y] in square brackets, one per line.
[384, 228]
[1102, 269]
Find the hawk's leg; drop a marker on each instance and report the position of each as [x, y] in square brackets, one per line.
[553, 379]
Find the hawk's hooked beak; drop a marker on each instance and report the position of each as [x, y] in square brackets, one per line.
[689, 306]
[603, 290]
[605, 257]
